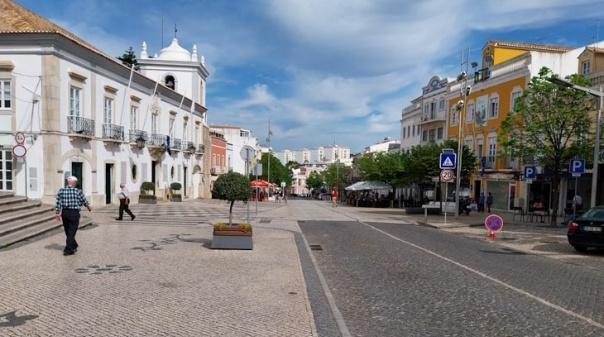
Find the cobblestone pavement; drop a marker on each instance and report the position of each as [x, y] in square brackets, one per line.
[156, 276]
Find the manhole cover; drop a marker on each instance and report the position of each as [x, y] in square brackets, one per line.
[315, 247]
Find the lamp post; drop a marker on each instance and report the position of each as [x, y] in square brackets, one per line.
[464, 91]
[596, 159]
[268, 140]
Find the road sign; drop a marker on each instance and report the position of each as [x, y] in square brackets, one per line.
[530, 172]
[447, 175]
[19, 137]
[577, 166]
[19, 151]
[283, 184]
[493, 222]
[447, 160]
[247, 153]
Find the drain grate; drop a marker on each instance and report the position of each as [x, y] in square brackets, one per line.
[315, 247]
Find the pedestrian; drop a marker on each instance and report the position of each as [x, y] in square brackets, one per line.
[481, 202]
[334, 197]
[489, 202]
[124, 197]
[69, 201]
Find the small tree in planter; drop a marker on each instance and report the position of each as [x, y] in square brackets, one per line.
[147, 193]
[233, 187]
[176, 196]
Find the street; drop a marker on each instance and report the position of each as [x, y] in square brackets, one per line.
[396, 279]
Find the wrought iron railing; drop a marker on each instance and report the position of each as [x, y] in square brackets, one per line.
[80, 125]
[158, 140]
[134, 135]
[482, 75]
[175, 144]
[201, 148]
[112, 131]
[188, 146]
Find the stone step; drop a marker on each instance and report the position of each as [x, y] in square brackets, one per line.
[23, 222]
[4, 194]
[10, 200]
[20, 208]
[36, 230]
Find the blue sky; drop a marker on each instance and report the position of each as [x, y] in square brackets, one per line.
[323, 71]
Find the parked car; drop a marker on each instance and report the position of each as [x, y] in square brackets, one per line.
[587, 231]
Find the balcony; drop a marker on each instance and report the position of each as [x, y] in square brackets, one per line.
[499, 164]
[431, 117]
[216, 170]
[188, 147]
[201, 149]
[113, 133]
[176, 144]
[137, 138]
[482, 75]
[80, 127]
[158, 140]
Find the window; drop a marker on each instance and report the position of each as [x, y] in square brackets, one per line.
[585, 65]
[441, 104]
[479, 147]
[492, 148]
[184, 131]
[74, 101]
[426, 108]
[493, 107]
[196, 139]
[408, 130]
[425, 136]
[154, 123]
[515, 98]
[404, 132]
[108, 110]
[432, 136]
[171, 127]
[469, 143]
[453, 116]
[133, 117]
[440, 133]
[470, 112]
[5, 94]
[170, 82]
[414, 130]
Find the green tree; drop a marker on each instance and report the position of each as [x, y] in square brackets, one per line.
[129, 59]
[314, 180]
[384, 167]
[422, 162]
[278, 172]
[232, 186]
[549, 126]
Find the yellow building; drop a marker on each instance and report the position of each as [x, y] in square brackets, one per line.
[488, 93]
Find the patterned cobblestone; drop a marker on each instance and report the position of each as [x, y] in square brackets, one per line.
[176, 287]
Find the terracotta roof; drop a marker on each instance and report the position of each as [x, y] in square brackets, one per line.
[529, 46]
[596, 50]
[16, 19]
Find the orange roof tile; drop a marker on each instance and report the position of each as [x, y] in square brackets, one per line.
[529, 46]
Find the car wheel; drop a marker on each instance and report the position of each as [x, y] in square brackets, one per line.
[580, 249]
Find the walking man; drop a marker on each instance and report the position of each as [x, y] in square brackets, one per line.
[489, 202]
[481, 202]
[69, 201]
[124, 197]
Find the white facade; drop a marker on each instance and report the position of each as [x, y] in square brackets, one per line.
[383, 146]
[322, 155]
[82, 111]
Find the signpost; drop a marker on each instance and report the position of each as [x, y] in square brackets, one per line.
[493, 223]
[446, 176]
[576, 167]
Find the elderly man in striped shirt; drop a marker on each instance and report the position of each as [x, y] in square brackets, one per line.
[69, 201]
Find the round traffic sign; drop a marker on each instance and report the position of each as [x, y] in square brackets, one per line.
[19, 151]
[493, 222]
[447, 175]
[19, 137]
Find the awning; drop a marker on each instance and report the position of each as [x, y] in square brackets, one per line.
[368, 185]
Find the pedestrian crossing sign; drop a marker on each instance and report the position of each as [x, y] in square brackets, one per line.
[447, 160]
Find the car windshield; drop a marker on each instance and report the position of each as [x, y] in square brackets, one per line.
[597, 213]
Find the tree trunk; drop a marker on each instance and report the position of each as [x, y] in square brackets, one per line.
[231, 212]
[555, 200]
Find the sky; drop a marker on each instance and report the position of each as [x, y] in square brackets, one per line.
[323, 72]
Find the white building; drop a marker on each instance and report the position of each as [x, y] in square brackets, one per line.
[83, 113]
[237, 138]
[385, 145]
[322, 155]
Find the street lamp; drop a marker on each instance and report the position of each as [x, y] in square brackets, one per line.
[600, 96]
[268, 174]
[464, 91]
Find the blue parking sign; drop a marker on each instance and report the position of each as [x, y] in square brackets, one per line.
[530, 172]
[577, 166]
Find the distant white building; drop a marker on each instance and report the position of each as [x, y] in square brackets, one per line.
[323, 155]
[385, 145]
